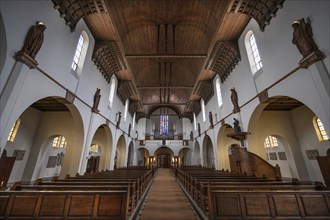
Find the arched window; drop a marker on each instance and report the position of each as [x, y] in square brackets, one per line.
[59, 142]
[133, 126]
[112, 91]
[252, 52]
[203, 109]
[320, 130]
[13, 131]
[218, 89]
[270, 141]
[80, 54]
[195, 122]
[126, 109]
[93, 149]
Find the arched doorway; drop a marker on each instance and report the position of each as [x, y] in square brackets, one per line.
[130, 155]
[142, 156]
[291, 121]
[197, 155]
[120, 157]
[223, 144]
[185, 157]
[279, 153]
[164, 157]
[39, 125]
[103, 140]
[208, 153]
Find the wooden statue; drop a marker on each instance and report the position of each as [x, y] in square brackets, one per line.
[129, 129]
[97, 97]
[234, 100]
[303, 37]
[199, 129]
[34, 39]
[237, 128]
[118, 119]
[211, 119]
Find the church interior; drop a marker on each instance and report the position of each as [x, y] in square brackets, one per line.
[164, 109]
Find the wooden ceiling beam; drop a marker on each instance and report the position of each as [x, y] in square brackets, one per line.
[165, 87]
[166, 56]
[165, 104]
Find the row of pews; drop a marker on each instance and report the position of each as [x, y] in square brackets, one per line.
[115, 194]
[219, 194]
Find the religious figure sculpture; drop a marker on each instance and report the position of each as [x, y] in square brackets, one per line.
[129, 129]
[118, 119]
[234, 100]
[191, 135]
[211, 119]
[97, 97]
[34, 39]
[199, 129]
[303, 37]
[237, 128]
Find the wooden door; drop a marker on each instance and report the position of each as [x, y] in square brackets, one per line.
[324, 163]
[93, 164]
[6, 165]
[163, 160]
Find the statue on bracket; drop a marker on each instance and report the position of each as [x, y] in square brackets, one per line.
[237, 128]
[118, 119]
[199, 129]
[191, 135]
[211, 119]
[34, 39]
[234, 100]
[97, 97]
[129, 129]
[303, 37]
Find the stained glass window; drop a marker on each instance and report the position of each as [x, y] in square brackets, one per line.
[163, 124]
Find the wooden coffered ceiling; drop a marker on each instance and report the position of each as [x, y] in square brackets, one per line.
[165, 53]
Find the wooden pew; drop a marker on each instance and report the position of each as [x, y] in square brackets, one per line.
[64, 204]
[269, 205]
[82, 198]
[216, 194]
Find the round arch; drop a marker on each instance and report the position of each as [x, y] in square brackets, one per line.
[130, 155]
[120, 156]
[164, 157]
[223, 144]
[103, 138]
[197, 155]
[142, 156]
[208, 152]
[185, 155]
[40, 123]
[292, 123]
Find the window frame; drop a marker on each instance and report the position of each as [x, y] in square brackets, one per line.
[13, 130]
[218, 90]
[321, 133]
[253, 53]
[80, 54]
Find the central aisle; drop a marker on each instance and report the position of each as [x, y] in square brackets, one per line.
[166, 200]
